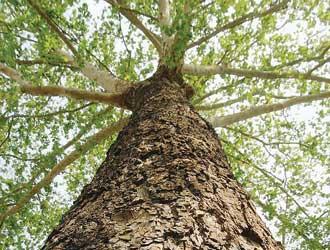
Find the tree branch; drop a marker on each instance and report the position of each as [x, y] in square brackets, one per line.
[248, 17]
[19, 36]
[105, 79]
[26, 87]
[226, 103]
[139, 13]
[137, 23]
[42, 61]
[270, 176]
[12, 74]
[18, 157]
[59, 167]
[51, 156]
[202, 70]
[53, 26]
[77, 94]
[164, 13]
[220, 104]
[216, 91]
[302, 59]
[280, 218]
[164, 19]
[110, 83]
[320, 64]
[62, 111]
[7, 136]
[223, 121]
[267, 143]
[175, 46]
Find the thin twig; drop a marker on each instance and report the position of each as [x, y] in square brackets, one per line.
[54, 27]
[62, 111]
[248, 17]
[269, 176]
[19, 158]
[8, 134]
[137, 23]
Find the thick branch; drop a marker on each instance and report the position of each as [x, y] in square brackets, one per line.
[224, 121]
[77, 94]
[164, 20]
[175, 45]
[59, 167]
[12, 74]
[110, 83]
[202, 70]
[137, 23]
[165, 23]
[239, 21]
[105, 79]
[164, 13]
[115, 99]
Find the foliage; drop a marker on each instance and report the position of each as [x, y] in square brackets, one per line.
[281, 158]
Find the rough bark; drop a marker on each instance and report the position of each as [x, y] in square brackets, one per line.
[165, 184]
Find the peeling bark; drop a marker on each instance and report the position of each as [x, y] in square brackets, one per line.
[165, 184]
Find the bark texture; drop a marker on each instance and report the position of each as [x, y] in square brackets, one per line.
[165, 184]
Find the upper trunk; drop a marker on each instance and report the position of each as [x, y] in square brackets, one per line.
[165, 184]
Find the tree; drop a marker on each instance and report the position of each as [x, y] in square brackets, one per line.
[166, 181]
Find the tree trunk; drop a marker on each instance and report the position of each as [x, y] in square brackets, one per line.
[165, 184]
